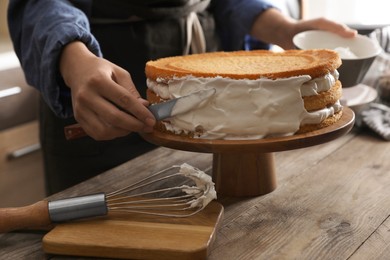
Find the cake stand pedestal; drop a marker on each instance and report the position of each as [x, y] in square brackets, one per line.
[247, 167]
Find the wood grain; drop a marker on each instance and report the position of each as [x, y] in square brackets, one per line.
[377, 246]
[138, 236]
[321, 212]
[331, 203]
[244, 174]
[31, 216]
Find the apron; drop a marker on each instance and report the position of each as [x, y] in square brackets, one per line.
[129, 33]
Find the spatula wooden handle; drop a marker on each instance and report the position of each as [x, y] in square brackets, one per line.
[32, 216]
[74, 131]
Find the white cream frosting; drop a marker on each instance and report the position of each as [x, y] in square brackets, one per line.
[314, 86]
[204, 191]
[346, 53]
[246, 109]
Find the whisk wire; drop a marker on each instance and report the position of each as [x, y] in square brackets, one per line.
[144, 182]
[111, 197]
[176, 214]
[183, 201]
[161, 202]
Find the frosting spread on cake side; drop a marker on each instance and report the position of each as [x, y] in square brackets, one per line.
[246, 109]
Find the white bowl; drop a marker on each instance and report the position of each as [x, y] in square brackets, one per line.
[357, 53]
[358, 97]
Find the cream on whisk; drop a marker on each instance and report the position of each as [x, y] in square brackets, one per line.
[204, 191]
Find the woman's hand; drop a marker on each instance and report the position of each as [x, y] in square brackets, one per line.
[273, 27]
[105, 101]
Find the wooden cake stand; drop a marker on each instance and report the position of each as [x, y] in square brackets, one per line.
[247, 167]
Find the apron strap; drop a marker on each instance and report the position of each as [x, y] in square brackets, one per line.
[196, 42]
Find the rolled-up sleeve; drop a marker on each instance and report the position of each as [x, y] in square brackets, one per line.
[234, 19]
[39, 30]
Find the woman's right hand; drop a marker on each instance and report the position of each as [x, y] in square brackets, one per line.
[105, 101]
[272, 26]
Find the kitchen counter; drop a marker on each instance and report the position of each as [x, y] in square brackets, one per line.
[331, 202]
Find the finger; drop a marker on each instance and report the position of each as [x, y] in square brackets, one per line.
[129, 100]
[123, 78]
[111, 115]
[97, 128]
[90, 112]
[106, 92]
[102, 103]
[332, 26]
[144, 102]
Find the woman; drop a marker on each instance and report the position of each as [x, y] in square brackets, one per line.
[87, 59]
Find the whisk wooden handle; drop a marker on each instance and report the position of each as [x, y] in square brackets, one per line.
[32, 216]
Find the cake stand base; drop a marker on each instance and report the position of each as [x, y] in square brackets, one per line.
[247, 167]
[244, 174]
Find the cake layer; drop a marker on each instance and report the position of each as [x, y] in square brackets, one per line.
[324, 98]
[246, 65]
[327, 122]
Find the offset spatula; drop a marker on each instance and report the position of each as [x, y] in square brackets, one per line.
[160, 111]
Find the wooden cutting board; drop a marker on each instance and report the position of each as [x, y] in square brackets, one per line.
[135, 236]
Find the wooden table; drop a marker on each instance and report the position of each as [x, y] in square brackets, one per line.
[332, 202]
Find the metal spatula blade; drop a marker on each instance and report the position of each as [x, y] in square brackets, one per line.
[180, 105]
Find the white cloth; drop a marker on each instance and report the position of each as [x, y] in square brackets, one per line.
[377, 117]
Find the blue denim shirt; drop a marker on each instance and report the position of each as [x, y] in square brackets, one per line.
[41, 28]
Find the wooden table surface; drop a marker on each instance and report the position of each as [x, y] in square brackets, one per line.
[332, 202]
